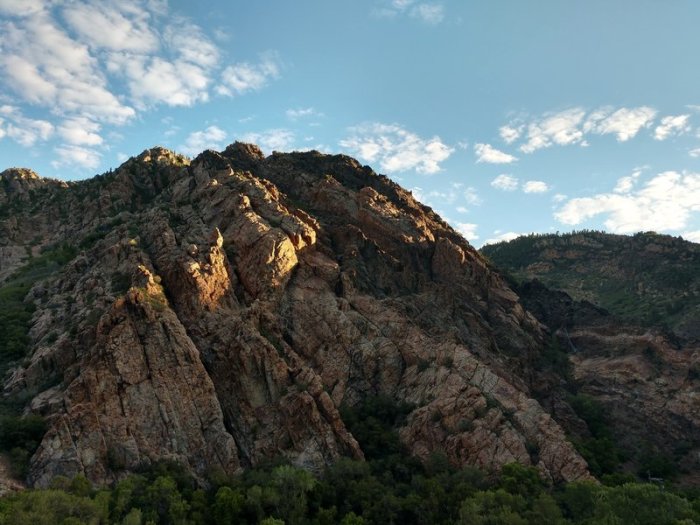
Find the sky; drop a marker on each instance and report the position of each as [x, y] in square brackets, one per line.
[506, 117]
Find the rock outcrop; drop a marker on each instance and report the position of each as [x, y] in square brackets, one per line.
[219, 313]
[645, 379]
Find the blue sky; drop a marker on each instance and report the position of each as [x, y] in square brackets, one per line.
[504, 116]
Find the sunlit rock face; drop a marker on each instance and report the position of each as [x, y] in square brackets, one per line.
[218, 313]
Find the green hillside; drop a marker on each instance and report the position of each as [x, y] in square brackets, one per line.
[646, 278]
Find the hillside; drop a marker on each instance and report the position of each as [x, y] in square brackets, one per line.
[220, 312]
[647, 278]
[233, 310]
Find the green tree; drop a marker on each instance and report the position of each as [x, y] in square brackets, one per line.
[163, 502]
[228, 506]
[641, 504]
[494, 507]
[293, 486]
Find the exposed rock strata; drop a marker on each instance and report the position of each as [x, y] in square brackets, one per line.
[221, 311]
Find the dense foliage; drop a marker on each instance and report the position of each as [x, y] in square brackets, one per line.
[646, 278]
[389, 488]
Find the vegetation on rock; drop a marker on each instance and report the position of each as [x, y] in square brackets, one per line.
[647, 278]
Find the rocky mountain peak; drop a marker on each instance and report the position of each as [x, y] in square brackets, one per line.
[17, 183]
[221, 312]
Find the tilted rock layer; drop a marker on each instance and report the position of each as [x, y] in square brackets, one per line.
[220, 311]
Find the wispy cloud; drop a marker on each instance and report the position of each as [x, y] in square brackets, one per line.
[270, 140]
[626, 184]
[468, 230]
[505, 182]
[624, 123]
[559, 128]
[692, 236]
[91, 65]
[431, 13]
[571, 126]
[510, 133]
[672, 125]
[243, 77]
[25, 131]
[177, 74]
[69, 155]
[21, 8]
[501, 237]
[198, 141]
[300, 113]
[489, 154]
[80, 131]
[109, 28]
[455, 194]
[396, 149]
[535, 186]
[666, 202]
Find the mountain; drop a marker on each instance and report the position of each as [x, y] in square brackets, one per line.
[628, 310]
[226, 311]
[645, 278]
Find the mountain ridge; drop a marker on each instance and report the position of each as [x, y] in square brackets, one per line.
[219, 312]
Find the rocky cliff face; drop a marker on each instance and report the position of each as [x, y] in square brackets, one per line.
[645, 379]
[219, 313]
[628, 309]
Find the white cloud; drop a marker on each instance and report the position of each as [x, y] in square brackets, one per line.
[244, 77]
[695, 153]
[93, 64]
[510, 133]
[46, 67]
[396, 149]
[271, 139]
[672, 125]
[297, 113]
[489, 154]
[507, 236]
[625, 184]
[664, 203]
[435, 198]
[625, 123]
[692, 236]
[471, 196]
[429, 13]
[104, 26]
[198, 141]
[559, 128]
[80, 131]
[535, 186]
[72, 156]
[559, 197]
[505, 182]
[21, 7]
[571, 126]
[179, 76]
[23, 130]
[468, 230]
